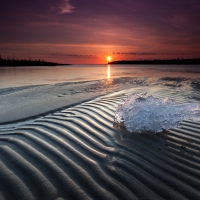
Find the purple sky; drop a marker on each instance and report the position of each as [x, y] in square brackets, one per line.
[85, 31]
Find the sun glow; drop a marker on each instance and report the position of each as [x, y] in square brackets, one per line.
[109, 58]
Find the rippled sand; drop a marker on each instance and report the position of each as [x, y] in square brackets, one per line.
[77, 153]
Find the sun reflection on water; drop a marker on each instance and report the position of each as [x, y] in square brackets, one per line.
[108, 72]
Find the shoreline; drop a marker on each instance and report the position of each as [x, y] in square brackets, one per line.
[29, 102]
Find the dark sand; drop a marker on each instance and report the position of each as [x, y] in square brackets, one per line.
[77, 153]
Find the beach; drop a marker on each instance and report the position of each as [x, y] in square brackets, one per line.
[59, 141]
[100, 100]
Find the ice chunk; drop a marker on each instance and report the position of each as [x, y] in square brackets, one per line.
[144, 113]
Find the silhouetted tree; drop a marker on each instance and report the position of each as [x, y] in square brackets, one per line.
[194, 61]
[25, 62]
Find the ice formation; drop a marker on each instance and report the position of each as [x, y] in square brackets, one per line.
[140, 114]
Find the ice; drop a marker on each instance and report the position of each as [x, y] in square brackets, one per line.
[143, 114]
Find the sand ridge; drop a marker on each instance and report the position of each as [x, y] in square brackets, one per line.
[77, 153]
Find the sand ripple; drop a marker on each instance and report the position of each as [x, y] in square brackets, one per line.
[78, 154]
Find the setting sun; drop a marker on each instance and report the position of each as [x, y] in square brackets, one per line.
[109, 58]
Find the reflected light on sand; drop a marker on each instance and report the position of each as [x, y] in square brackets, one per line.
[108, 72]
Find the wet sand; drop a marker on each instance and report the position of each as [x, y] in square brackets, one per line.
[77, 153]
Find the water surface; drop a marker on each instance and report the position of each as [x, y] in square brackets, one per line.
[20, 76]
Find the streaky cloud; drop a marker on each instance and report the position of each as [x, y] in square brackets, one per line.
[66, 7]
[73, 55]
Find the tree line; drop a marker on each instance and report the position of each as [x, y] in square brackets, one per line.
[193, 61]
[25, 62]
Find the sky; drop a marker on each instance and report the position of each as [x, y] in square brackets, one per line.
[86, 31]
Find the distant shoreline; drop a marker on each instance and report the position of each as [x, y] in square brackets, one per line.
[194, 61]
[24, 62]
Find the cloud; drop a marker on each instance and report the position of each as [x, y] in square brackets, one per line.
[66, 7]
[178, 21]
[147, 53]
[73, 55]
[134, 53]
[195, 4]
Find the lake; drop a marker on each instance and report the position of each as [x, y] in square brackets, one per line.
[20, 76]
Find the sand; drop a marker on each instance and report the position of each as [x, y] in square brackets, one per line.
[75, 152]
